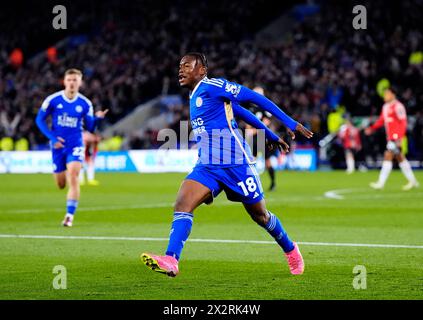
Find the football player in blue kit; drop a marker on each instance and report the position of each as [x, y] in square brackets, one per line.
[69, 111]
[225, 162]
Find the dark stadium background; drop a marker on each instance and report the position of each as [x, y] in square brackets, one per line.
[312, 63]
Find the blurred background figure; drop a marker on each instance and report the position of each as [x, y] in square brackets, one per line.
[252, 137]
[87, 174]
[351, 142]
[266, 118]
[394, 118]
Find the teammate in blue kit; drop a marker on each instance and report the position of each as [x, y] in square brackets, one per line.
[225, 162]
[69, 111]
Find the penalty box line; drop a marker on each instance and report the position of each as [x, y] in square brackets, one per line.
[110, 238]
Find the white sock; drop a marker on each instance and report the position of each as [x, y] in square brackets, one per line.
[407, 171]
[90, 171]
[350, 164]
[384, 172]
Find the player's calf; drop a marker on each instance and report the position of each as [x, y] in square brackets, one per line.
[260, 218]
[258, 213]
[73, 169]
[274, 227]
[60, 179]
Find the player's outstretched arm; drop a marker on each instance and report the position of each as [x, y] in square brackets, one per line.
[280, 144]
[273, 141]
[252, 120]
[91, 121]
[248, 95]
[378, 124]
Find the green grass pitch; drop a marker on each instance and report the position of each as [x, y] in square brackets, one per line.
[101, 252]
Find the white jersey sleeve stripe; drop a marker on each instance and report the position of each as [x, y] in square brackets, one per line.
[214, 81]
[217, 80]
[47, 100]
[213, 84]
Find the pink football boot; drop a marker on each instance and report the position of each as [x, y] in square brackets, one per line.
[295, 260]
[163, 264]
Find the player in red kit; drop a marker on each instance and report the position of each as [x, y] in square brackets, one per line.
[91, 141]
[394, 118]
[350, 138]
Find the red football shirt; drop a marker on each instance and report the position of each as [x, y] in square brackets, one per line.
[394, 117]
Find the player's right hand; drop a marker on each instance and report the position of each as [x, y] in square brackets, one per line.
[59, 144]
[280, 144]
[101, 114]
[303, 130]
[291, 133]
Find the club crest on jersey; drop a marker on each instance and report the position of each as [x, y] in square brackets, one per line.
[60, 106]
[78, 109]
[199, 102]
[232, 88]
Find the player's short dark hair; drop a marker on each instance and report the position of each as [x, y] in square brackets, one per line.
[199, 57]
[393, 89]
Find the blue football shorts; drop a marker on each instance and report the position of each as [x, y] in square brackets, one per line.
[63, 156]
[241, 183]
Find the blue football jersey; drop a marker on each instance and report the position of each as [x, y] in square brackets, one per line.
[219, 140]
[68, 117]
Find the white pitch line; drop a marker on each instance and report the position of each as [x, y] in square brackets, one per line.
[335, 194]
[334, 244]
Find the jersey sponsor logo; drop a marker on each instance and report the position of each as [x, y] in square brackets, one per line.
[199, 102]
[65, 121]
[232, 88]
[199, 130]
[198, 126]
[78, 109]
[60, 106]
[197, 122]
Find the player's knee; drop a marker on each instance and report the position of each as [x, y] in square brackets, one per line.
[388, 155]
[73, 174]
[74, 180]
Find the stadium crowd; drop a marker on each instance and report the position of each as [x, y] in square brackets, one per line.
[324, 64]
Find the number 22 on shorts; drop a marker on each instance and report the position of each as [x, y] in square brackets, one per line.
[78, 152]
